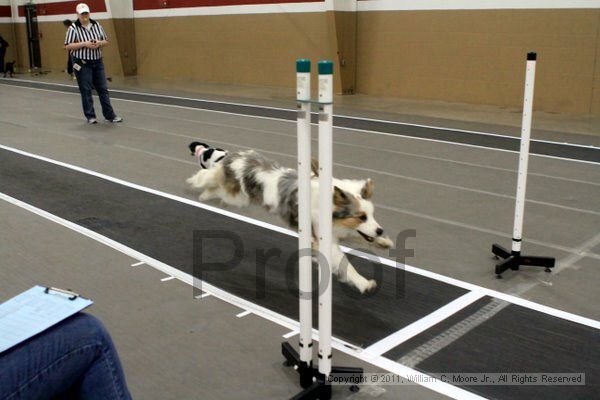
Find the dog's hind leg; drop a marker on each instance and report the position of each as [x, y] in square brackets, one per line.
[341, 266]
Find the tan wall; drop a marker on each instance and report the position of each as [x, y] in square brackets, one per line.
[124, 40]
[345, 31]
[478, 56]
[21, 47]
[258, 49]
[54, 57]
[595, 106]
[7, 32]
[471, 56]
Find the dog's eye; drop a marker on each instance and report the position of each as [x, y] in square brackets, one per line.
[363, 217]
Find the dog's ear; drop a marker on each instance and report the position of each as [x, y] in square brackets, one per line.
[340, 198]
[314, 166]
[192, 147]
[367, 190]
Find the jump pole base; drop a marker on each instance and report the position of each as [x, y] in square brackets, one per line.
[292, 359]
[514, 259]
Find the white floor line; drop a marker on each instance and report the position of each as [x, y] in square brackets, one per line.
[244, 313]
[168, 278]
[382, 260]
[580, 252]
[575, 251]
[137, 264]
[466, 189]
[421, 325]
[378, 149]
[363, 131]
[336, 127]
[265, 313]
[203, 295]
[250, 105]
[398, 176]
[290, 334]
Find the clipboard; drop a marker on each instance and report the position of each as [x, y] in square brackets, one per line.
[34, 311]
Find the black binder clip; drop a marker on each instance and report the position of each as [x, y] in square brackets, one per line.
[72, 295]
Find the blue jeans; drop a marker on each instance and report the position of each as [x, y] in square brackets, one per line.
[90, 76]
[74, 359]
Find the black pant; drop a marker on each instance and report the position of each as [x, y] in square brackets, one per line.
[2, 53]
[69, 65]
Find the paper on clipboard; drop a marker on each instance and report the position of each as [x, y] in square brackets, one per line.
[34, 311]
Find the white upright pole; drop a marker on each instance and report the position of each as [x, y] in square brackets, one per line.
[325, 213]
[524, 153]
[304, 217]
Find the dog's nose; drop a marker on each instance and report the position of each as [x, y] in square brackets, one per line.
[379, 231]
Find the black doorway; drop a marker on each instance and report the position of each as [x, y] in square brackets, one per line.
[33, 37]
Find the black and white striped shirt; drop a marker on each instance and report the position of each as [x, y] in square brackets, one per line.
[79, 33]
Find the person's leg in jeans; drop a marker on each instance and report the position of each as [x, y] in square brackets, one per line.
[84, 81]
[74, 359]
[102, 89]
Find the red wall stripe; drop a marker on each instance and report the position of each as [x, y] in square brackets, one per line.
[65, 7]
[5, 11]
[161, 4]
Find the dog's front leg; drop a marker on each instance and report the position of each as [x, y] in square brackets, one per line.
[347, 273]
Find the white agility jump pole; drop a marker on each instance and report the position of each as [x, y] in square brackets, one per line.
[314, 382]
[514, 259]
[304, 217]
[325, 212]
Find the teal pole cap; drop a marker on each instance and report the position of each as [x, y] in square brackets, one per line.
[302, 65]
[325, 67]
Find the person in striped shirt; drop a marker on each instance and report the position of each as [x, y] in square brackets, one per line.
[85, 39]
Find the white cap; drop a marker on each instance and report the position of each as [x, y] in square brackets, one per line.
[82, 8]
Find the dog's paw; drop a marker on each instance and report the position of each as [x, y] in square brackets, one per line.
[367, 286]
[384, 242]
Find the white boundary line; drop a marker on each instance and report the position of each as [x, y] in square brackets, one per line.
[423, 324]
[244, 313]
[263, 312]
[455, 282]
[336, 127]
[290, 334]
[138, 264]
